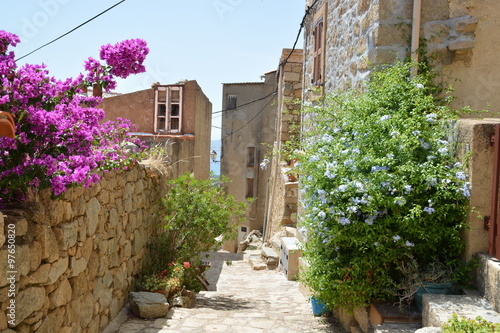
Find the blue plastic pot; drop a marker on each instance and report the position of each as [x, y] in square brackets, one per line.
[433, 288]
[318, 307]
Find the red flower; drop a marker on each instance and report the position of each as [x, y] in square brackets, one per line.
[187, 264]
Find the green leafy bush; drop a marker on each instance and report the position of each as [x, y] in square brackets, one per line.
[464, 325]
[380, 184]
[197, 216]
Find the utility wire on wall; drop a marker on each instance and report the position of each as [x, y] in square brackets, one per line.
[67, 33]
[248, 122]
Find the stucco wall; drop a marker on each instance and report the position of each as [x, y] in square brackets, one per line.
[76, 258]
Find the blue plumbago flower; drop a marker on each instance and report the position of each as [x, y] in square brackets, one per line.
[314, 158]
[431, 157]
[443, 142]
[336, 130]
[352, 209]
[410, 244]
[322, 215]
[429, 210]
[359, 186]
[443, 150]
[416, 133]
[348, 162]
[386, 117]
[461, 175]
[396, 238]
[390, 155]
[344, 220]
[400, 201]
[342, 188]
[466, 189]
[379, 168]
[431, 182]
[420, 86]
[456, 165]
[425, 145]
[431, 117]
[408, 189]
[376, 244]
[394, 134]
[385, 184]
[327, 138]
[355, 151]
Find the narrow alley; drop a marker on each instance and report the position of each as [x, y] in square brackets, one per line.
[246, 301]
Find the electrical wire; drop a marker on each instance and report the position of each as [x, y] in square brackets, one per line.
[248, 122]
[245, 104]
[67, 33]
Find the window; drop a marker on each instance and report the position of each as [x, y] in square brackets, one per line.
[249, 188]
[168, 109]
[250, 156]
[319, 33]
[231, 101]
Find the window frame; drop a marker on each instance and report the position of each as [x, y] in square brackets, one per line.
[319, 46]
[170, 104]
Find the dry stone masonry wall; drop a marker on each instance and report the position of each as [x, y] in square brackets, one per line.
[75, 259]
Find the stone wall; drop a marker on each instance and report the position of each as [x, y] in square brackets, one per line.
[75, 259]
[283, 196]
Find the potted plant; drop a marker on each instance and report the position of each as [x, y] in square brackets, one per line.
[435, 278]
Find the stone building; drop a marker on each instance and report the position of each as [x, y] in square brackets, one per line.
[179, 114]
[248, 125]
[344, 38]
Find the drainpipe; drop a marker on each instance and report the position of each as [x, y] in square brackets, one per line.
[415, 35]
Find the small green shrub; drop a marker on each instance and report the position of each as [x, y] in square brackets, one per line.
[197, 216]
[465, 325]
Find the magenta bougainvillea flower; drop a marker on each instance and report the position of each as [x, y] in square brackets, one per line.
[60, 141]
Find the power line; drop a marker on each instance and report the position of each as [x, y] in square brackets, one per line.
[67, 33]
[248, 122]
[245, 104]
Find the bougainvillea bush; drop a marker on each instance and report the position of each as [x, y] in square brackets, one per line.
[380, 186]
[59, 141]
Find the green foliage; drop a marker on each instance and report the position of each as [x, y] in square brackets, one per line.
[464, 325]
[380, 184]
[197, 217]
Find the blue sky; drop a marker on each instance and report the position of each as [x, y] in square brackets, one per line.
[211, 41]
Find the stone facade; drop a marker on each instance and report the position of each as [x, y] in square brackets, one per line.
[76, 258]
[247, 137]
[283, 196]
[458, 36]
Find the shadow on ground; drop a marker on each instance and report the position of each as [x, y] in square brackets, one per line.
[224, 303]
[217, 261]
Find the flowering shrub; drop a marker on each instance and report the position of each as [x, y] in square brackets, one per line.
[59, 141]
[172, 281]
[380, 184]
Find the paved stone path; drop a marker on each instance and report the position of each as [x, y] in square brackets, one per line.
[246, 301]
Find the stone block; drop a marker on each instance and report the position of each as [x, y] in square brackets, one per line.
[362, 318]
[77, 266]
[466, 24]
[20, 225]
[79, 284]
[53, 322]
[41, 275]
[3, 321]
[29, 301]
[438, 309]
[148, 305]
[61, 295]
[48, 241]
[461, 44]
[35, 249]
[66, 234]
[57, 269]
[92, 216]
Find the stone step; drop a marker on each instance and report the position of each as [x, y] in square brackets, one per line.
[438, 309]
[270, 257]
[395, 328]
[257, 263]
